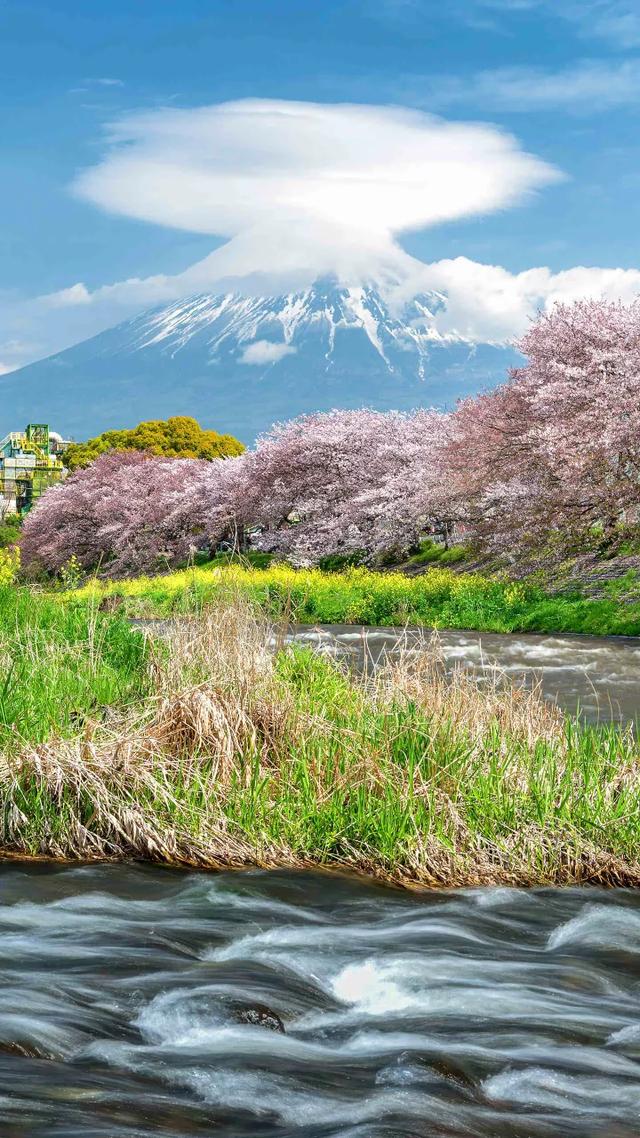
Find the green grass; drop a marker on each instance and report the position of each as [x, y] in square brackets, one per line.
[217, 753]
[59, 662]
[487, 806]
[432, 553]
[253, 558]
[440, 598]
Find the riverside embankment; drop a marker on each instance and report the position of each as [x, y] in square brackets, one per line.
[224, 746]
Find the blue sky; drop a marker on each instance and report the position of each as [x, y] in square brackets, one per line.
[562, 76]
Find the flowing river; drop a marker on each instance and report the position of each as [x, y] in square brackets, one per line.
[137, 1002]
[595, 676]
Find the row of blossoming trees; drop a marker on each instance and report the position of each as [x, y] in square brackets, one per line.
[550, 458]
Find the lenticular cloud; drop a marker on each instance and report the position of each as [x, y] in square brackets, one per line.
[244, 168]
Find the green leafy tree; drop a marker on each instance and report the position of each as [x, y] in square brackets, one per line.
[177, 437]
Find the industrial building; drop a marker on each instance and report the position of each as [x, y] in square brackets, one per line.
[30, 462]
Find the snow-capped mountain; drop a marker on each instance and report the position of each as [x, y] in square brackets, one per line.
[240, 363]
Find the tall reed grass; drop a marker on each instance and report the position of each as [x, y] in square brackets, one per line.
[221, 746]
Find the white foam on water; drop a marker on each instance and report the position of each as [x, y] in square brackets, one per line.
[376, 987]
[466, 977]
[71, 917]
[554, 1090]
[18, 948]
[255, 904]
[337, 938]
[572, 670]
[359, 637]
[41, 1032]
[600, 926]
[203, 1040]
[260, 1093]
[170, 1017]
[585, 1061]
[499, 897]
[628, 1034]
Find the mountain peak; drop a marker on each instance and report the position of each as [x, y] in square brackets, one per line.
[232, 320]
[239, 363]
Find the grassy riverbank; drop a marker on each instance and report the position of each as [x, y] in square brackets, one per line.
[59, 663]
[440, 598]
[216, 750]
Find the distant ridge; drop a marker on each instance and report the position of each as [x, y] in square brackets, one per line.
[240, 363]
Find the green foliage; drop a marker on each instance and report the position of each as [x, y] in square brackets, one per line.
[252, 558]
[71, 574]
[325, 811]
[333, 773]
[440, 598]
[61, 663]
[453, 556]
[9, 566]
[629, 542]
[336, 562]
[9, 530]
[177, 437]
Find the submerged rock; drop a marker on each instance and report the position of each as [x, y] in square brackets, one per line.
[257, 1015]
[24, 1050]
[452, 1071]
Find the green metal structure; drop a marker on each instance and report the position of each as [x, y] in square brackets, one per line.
[28, 467]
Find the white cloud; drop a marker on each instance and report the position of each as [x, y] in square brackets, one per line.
[481, 304]
[588, 86]
[91, 84]
[488, 304]
[68, 297]
[298, 189]
[239, 168]
[15, 350]
[621, 28]
[265, 352]
[301, 190]
[615, 21]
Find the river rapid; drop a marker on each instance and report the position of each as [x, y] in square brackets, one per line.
[139, 1001]
[596, 677]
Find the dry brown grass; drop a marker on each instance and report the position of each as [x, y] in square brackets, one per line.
[215, 699]
[462, 699]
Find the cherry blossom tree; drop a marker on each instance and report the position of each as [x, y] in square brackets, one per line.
[552, 457]
[322, 484]
[343, 481]
[130, 512]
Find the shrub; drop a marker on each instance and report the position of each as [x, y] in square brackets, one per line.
[9, 530]
[336, 562]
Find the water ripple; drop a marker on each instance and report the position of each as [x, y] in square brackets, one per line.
[137, 1002]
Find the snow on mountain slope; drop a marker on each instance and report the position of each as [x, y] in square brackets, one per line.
[240, 363]
[231, 321]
